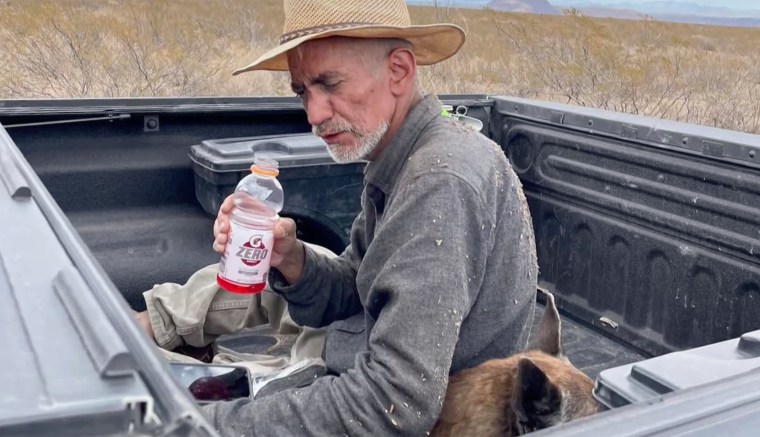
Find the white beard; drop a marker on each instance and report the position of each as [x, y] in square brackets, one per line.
[365, 144]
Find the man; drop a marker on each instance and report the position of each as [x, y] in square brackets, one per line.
[440, 273]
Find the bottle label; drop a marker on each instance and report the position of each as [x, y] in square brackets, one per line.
[247, 256]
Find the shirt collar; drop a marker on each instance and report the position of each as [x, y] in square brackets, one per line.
[383, 171]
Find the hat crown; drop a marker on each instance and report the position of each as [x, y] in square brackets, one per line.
[303, 17]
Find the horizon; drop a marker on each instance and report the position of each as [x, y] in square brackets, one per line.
[730, 4]
[735, 5]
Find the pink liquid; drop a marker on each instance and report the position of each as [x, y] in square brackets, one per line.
[238, 288]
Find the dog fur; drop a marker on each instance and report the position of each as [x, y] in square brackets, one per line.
[525, 392]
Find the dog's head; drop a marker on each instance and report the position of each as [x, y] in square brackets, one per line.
[549, 390]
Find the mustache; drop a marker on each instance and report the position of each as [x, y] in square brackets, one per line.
[332, 127]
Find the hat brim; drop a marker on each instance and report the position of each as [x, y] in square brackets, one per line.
[432, 43]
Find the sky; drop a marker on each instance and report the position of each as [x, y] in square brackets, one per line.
[726, 8]
[735, 4]
[732, 4]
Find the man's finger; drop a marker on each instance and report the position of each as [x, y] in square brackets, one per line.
[285, 228]
[218, 247]
[220, 227]
[227, 205]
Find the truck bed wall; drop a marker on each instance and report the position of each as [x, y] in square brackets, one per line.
[655, 242]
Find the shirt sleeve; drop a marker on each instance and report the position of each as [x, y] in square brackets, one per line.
[440, 235]
[326, 290]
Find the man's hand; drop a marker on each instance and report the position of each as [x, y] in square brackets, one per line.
[222, 225]
[287, 253]
[144, 321]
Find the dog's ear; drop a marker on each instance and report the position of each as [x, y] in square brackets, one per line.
[548, 335]
[536, 401]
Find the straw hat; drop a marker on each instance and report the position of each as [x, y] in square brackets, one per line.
[311, 19]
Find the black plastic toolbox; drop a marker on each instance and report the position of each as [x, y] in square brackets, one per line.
[318, 191]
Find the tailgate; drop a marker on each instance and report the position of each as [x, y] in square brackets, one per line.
[74, 361]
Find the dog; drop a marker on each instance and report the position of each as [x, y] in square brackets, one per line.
[519, 394]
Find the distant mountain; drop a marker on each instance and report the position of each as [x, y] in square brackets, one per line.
[674, 11]
[686, 8]
[679, 12]
[471, 4]
[528, 6]
[712, 21]
[606, 12]
[658, 7]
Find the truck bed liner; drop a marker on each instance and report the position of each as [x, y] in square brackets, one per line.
[140, 247]
[591, 351]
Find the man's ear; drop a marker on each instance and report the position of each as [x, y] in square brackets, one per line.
[536, 401]
[403, 67]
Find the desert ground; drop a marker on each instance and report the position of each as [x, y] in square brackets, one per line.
[89, 48]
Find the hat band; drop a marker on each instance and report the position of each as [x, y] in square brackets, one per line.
[312, 30]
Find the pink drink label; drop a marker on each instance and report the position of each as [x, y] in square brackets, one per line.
[247, 256]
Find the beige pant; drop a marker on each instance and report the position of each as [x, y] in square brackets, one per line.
[198, 312]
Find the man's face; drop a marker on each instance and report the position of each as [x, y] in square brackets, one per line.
[346, 95]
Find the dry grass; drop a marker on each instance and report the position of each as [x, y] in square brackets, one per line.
[88, 48]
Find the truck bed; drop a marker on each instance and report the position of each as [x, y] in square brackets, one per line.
[590, 350]
[175, 240]
[646, 230]
[130, 193]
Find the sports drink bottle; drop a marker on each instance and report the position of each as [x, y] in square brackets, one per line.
[258, 199]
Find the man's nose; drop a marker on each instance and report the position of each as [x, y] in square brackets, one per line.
[318, 109]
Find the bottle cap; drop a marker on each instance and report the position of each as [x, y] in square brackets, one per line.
[265, 167]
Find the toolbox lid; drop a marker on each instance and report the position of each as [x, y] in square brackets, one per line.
[647, 379]
[237, 154]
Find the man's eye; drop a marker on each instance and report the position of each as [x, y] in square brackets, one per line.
[332, 86]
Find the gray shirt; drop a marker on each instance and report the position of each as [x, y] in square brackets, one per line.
[440, 275]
